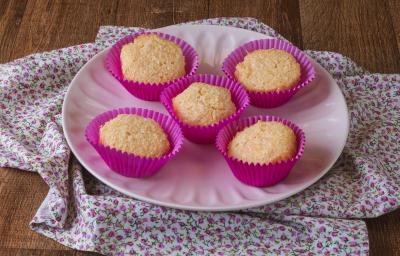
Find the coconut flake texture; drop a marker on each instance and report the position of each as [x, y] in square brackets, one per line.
[268, 70]
[263, 143]
[152, 59]
[203, 104]
[136, 135]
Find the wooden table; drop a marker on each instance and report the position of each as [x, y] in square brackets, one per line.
[366, 31]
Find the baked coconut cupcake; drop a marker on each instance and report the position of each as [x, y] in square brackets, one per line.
[134, 142]
[271, 70]
[146, 63]
[261, 150]
[202, 104]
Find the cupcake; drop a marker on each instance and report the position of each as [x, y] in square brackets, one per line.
[271, 70]
[146, 63]
[134, 142]
[203, 104]
[261, 150]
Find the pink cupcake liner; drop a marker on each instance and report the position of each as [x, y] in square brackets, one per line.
[258, 174]
[205, 134]
[149, 91]
[270, 99]
[128, 164]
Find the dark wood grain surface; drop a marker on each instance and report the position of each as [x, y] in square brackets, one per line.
[366, 31]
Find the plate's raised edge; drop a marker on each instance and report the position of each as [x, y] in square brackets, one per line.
[205, 27]
[200, 208]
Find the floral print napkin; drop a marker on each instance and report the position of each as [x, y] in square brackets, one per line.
[82, 213]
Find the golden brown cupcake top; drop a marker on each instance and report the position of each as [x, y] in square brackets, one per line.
[136, 135]
[203, 104]
[268, 70]
[152, 59]
[263, 143]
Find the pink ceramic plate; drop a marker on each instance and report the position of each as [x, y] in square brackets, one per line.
[198, 178]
